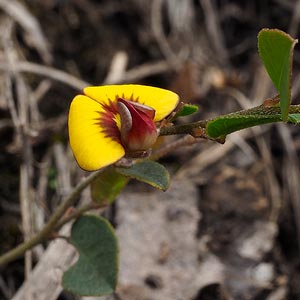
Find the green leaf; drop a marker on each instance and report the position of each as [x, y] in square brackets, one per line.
[186, 110]
[294, 118]
[259, 115]
[107, 186]
[95, 273]
[149, 172]
[276, 51]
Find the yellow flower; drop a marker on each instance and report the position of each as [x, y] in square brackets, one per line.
[109, 122]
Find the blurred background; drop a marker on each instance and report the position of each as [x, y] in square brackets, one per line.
[229, 226]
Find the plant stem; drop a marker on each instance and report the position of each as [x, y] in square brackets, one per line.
[50, 225]
[184, 141]
[257, 111]
[183, 129]
[78, 212]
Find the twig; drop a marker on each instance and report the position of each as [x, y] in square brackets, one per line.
[22, 15]
[117, 67]
[41, 209]
[183, 128]
[51, 224]
[157, 28]
[11, 105]
[26, 220]
[185, 141]
[214, 30]
[63, 170]
[132, 75]
[292, 175]
[272, 181]
[44, 278]
[78, 212]
[49, 72]
[210, 156]
[35, 97]
[143, 71]
[21, 126]
[26, 173]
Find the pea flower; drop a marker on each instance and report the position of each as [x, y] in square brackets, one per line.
[107, 123]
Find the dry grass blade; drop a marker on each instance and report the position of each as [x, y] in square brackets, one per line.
[214, 30]
[135, 74]
[46, 276]
[117, 68]
[20, 14]
[49, 72]
[208, 157]
[157, 28]
[63, 169]
[20, 113]
[292, 175]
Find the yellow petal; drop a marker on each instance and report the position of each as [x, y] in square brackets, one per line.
[163, 101]
[91, 147]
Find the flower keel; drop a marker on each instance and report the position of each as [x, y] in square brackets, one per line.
[138, 130]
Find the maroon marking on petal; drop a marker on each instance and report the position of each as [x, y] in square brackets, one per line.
[107, 123]
[111, 107]
[144, 130]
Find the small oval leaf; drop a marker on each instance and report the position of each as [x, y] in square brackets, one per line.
[95, 273]
[149, 172]
[107, 186]
[186, 110]
[222, 126]
[276, 51]
[227, 124]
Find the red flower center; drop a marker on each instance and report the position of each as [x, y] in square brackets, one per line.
[137, 130]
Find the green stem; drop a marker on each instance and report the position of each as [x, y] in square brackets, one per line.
[79, 212]
[262, 114]
[51, 224]
[183, 128]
